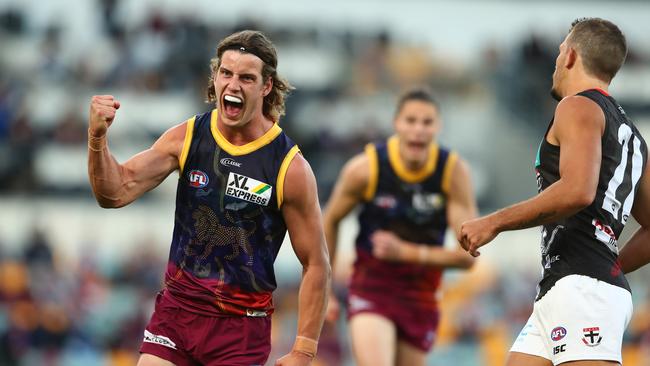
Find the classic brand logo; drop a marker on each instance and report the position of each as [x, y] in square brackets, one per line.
[230, 161]
[248, 189]
[158, 339]
[198, 179]
[256, 313]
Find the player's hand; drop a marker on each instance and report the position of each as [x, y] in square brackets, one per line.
[102, 114]
[294, 358]
[333, 309]
[476, 233]
[387, 246]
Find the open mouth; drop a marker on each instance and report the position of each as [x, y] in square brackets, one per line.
[232, 105]
[417, 145]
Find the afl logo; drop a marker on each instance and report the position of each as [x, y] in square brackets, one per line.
[198, 179]
[558, 333]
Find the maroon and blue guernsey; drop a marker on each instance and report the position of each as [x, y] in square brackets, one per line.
[228, 224]
[410, 204]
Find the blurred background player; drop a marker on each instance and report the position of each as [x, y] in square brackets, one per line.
[590, 165]
[409, 189]
[242, 185]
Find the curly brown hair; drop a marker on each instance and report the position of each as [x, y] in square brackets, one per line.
[255, 43]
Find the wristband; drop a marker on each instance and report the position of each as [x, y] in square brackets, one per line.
[96, 144]
[306, 346]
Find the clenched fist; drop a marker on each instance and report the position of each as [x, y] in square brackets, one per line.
[476, 233]
[102, 114]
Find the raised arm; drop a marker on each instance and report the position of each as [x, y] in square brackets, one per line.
[577, 129]
[461, 206]
[115, 184]
[636, 252]
[301, 213]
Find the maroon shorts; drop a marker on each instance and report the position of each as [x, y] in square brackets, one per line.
[415, 325]
[189, 339]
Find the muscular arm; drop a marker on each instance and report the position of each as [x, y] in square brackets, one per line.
[301, 212]
[578, 128]
[461, 206]
[115, 184]
[636, 252]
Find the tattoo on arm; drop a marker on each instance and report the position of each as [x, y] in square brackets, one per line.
[536, 221]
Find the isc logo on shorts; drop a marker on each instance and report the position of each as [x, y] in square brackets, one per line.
[248, 189]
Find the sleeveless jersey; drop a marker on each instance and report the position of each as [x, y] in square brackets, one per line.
[586, 243]
[228, 225]
[412, 205]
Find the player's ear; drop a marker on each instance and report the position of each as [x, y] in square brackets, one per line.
[571, 58]
[268, 86]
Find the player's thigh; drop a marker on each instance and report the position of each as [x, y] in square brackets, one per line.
[151, 360]
[407, 355]
[525, 359]
[374, 339]
[590, 363]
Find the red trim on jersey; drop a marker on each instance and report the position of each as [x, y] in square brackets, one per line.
[213, 297]
[602, 92]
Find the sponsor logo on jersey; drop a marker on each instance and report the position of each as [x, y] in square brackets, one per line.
[592, 336]
[558, 333]
[427, 202]
[385, 201]
[197, 178]
[230, 162]
[158, 339]
[248, 189]
[558, 349]
[605, 234]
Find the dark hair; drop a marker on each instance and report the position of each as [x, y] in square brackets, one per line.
[255, 43]
[421, 93]
[601, 44]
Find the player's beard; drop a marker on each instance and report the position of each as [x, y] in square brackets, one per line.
[555, 94]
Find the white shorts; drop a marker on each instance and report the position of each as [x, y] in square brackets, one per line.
[580, 318]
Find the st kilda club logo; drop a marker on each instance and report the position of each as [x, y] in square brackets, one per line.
[592, 336]
[197, 179]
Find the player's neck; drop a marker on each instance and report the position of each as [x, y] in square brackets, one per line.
[249, 132]
[585, 83]
[413, 165]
